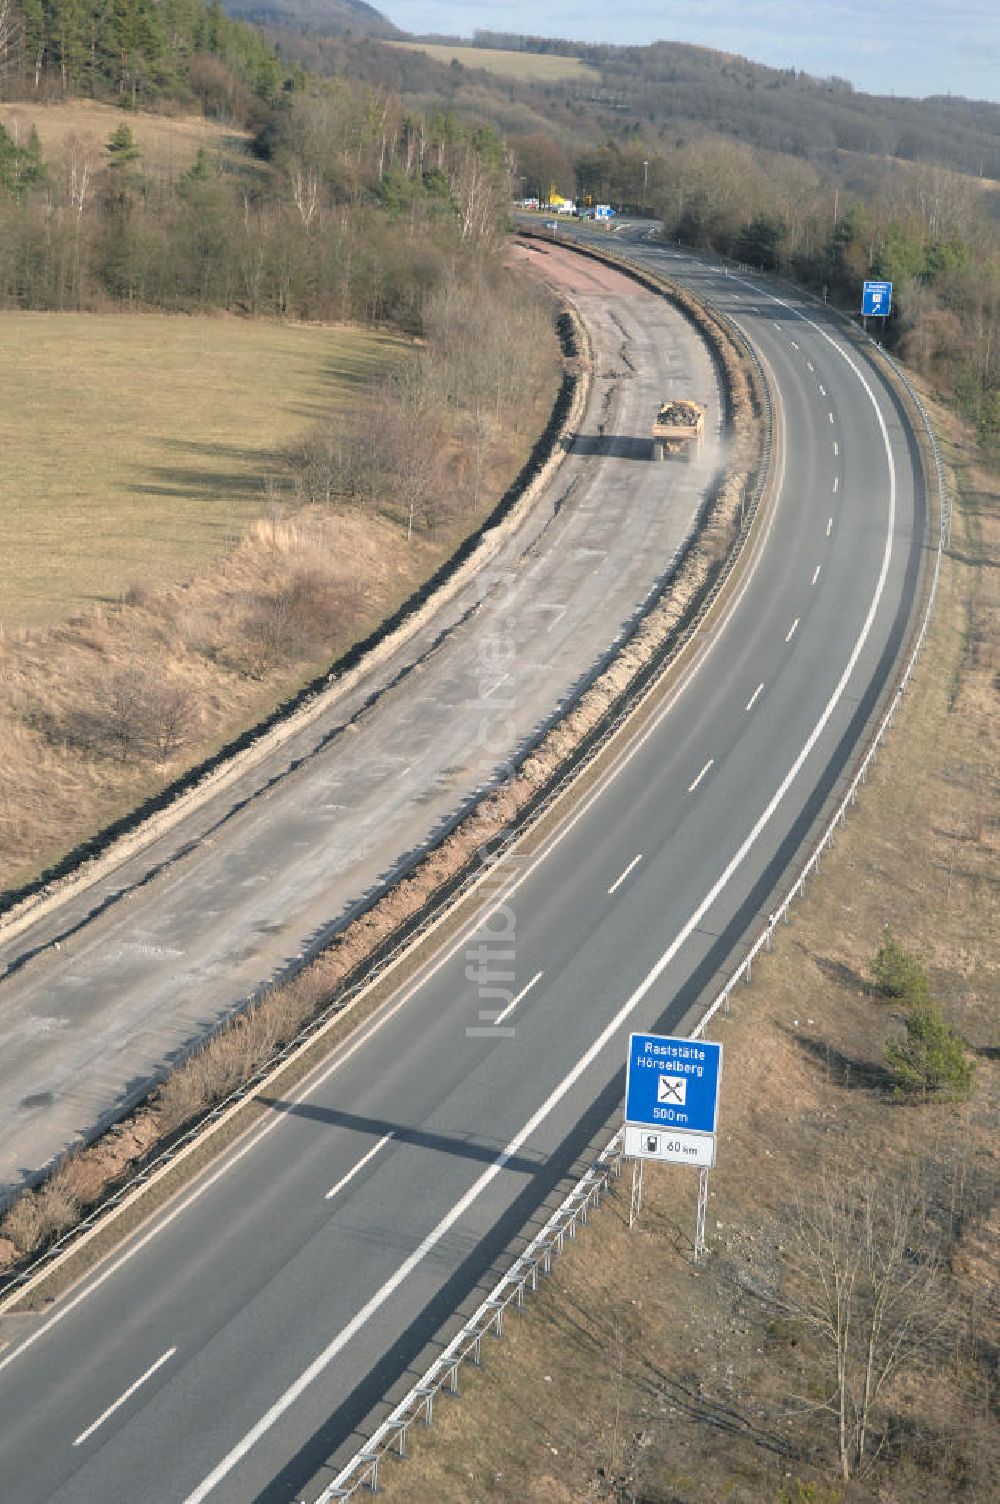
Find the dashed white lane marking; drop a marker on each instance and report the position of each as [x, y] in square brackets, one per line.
[341, 1339]
[829, 526]
[836, 484]
[122, 1398]
[791, 630]
[794, 345]
[345, 1179]
[514, 1002]
[816, 573]
[560, 612]
[753, 698]
[619, 880]
[693, 786]
[810, 366]
[836, 447]
[492, 691]
[830, 416]
[822, 390]
[403, 774]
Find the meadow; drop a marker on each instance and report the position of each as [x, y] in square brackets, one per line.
[527, 67]
[168, 143]
[138, 447]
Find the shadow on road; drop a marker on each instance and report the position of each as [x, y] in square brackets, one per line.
[443, 1143]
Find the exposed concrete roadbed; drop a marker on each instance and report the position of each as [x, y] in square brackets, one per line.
[291, 849]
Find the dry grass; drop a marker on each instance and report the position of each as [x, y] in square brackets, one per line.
[137, 447]
[526, 67]
[710, 1389]
[168, 144]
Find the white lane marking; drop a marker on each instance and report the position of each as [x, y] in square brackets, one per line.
[794, 345]
[122, 1398]
[810, 366]
[403, 774]
[313, 1084]
[514, 1002]
[362, 1317]
[822, 390]
[753, 698]
[816, 573]
[493, 689]
[836, 484]
[836, 447]
[346, 1179]
[693, 786]
[791, 630]
[560, 612]
[619, 880]
[830, 416]
[776, 324]
[829, 526]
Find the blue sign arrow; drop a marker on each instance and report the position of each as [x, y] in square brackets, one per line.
[876, 300]
[672, 1083]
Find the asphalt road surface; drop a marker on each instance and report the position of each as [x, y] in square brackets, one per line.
[132, 970]
[239, 1344]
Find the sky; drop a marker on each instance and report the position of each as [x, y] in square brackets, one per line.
[913, 47]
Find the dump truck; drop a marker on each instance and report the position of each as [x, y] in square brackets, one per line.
[678, 428]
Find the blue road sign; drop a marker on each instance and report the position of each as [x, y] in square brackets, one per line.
[876, 300]
[672, 1083]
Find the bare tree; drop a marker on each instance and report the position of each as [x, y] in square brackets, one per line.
[865, 1280]
[170, 716]
[304, 182]
[123, 708]
[8, 34]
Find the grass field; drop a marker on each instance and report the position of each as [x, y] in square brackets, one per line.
[528, 67]
[166, 143]
[137, 447]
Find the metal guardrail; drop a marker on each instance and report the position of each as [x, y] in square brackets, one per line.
[417, 1405]
[483, 863]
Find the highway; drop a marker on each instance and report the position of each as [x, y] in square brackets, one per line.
[135, 967]
[239, 1342]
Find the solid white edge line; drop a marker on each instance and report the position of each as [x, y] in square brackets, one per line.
[753, 698]
[344, 1336]
[619, 880]
[122, 1398]
[514, 1001]
[314, 1081]
[346, 1179]
[693, 786]
[627, 756]
[791, 630]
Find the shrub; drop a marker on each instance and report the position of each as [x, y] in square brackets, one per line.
[931, 1058]
[898, 972]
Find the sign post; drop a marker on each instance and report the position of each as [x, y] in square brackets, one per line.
[672, 1110]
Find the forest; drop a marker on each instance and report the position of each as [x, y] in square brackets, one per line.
[375, 161]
